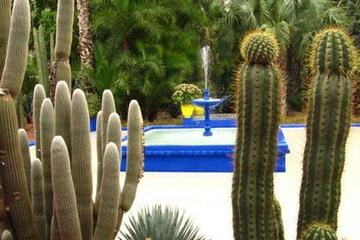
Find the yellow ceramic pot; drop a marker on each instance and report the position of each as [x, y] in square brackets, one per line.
[198, 110]
[187, 110]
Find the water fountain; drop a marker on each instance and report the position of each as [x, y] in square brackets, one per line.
[182, 148]
[206, 101]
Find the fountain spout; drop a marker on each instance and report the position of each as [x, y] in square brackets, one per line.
[207, 102]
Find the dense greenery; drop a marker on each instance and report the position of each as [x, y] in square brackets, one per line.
[144, 48]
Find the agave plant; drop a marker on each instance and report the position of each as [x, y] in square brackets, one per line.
[160, 223]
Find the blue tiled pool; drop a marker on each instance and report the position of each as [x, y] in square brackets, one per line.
[185, 149]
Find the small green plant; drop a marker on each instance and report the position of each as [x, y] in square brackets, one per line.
[160, 223]
[185, 92]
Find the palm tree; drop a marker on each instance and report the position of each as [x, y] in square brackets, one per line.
[293, 22]
[148, 46]
[85, 36]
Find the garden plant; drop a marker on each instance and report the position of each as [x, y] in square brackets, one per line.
[256, 213]
[51, 197]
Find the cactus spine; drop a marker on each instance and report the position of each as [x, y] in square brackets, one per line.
[12, 171]
[81, 162]
[327, 130]
[256, 153]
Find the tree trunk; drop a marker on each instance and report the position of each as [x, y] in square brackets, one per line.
[85, 45]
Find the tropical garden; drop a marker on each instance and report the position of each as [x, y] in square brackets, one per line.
[117, 51]
[144, 49]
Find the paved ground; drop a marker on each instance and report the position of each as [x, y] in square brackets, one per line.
[206, 196]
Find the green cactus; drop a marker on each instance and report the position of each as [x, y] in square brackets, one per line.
[37, 197]
[114, 130]
[25, 153]
[259, 47]
[81, 162]
[99, 149]
[108, 107]
[319, 231]
[5, 16]
[12, 172]
[279, 228]
[38, 97]
[64, 27]
[47, 129]
[62, 108]
[328, 126]
[41, 56]
[135, 155]
[332, 52]
[17, 49]
[258, 112]
[109, 198]
[64, 191]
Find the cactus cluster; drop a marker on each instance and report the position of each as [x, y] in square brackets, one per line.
[51, 198]
[15, 31]
[256, 213]
[258, 108]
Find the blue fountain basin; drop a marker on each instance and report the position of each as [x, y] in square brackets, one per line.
[210, 102]
[185, 149]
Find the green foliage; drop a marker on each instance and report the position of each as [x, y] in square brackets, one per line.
[146, 48]
[293, 23]
[161, 223]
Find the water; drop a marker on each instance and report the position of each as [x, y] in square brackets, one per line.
[192, 136]
[205, 56]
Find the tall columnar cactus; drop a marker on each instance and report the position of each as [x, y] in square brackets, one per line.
[64, 26]
[258, 111]
[47, 129]
[110, 190]
[327, 129]
[5, 16]
[38, 96]
[81, 162]
[12, 171]
[25, 153]
[37, 197]
[41, 56]
[62, 108]
[64, 191]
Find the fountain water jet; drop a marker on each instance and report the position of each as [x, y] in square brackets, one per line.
[206, 102]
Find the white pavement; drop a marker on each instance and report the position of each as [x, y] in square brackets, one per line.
[206, 197]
